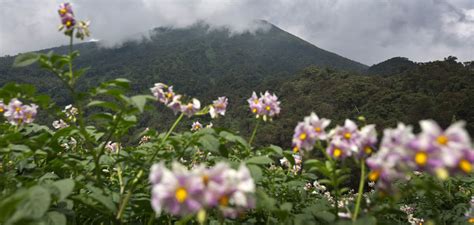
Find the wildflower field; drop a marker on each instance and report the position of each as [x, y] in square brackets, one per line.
[78, 171]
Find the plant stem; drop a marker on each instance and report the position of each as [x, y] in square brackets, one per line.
[254, 132]
[336, 190]
[361, 189]
[125, 201]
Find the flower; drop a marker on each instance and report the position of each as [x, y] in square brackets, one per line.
[67, 17]
[196, 126]
[191, 108]
[254, 104]
[29, 113]
[304, 137]
[176, 104]
[183, 192]
[14, 112]
[368, 140]
[210, 125]
[449, 142]
[267, 106]
[295, 168]
[161, 95]
[349, 135]
[319, 125]
[59, 124]
[2, 106]
[388, 164]
[82, 29]
[71, 112]
[339, 149]
[218, 107]
[178, 192]
[113, 147]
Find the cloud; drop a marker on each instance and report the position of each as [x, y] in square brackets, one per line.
[368, 31]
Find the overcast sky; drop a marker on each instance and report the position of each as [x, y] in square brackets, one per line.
[368, 31]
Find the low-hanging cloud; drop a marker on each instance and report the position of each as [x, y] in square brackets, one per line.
[368, 31]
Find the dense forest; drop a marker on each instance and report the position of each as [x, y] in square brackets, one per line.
[210, 63]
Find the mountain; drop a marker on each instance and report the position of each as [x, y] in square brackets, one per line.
[196, 55]
[207, 64]
[392, 66]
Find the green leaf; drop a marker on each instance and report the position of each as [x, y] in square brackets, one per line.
[25, 59]
[256, 172]
[260, 160]
[276, 149]
[65, 188]
[140, 101]
[325, 215]
[56, 218]
[209, 143]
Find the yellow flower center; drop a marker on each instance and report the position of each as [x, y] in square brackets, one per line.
[255, 101]
[317, 129]
[68, 23]
[29, 116]
[471, 220]
[368, 150]
[303, 136]
[17, 109]
[465, 166]
[374, 175]
[169, 95]
[205, 179]
[63, 11]
[421, 158]
[181, 194]
[442, 140]
[224, 201]
[296, 149]
[337, 153]
[268, 108]
[347, 135]
[1, 110]
[254, 110]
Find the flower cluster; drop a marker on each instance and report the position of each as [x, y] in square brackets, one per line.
[113, 147]
[308, 132]
[69, 23]
[434, 150]
[218, 107]
[409, 210]
[181, 192]
[165, 94]
[295, 168]
[16, 113]
[70, 113]
[267, 106]
[348, 140]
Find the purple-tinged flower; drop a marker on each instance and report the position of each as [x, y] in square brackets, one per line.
[178, 192]
[319, 125]
[368, 140]
[158, 92]
[14, 113]
[421, 156]
[60, 124]
[214, 182]
[270, 105]
[241, 197]
[29, 113]
[64, 9]
[196, 126]
[176, 104]
[339, 149]
[348, 134]
[112, 147]
[465, 163]
[219, 106]
[449, 141]
[3, 107]
[389, 163]
[304, 137]
[191, 108]
[255, 104]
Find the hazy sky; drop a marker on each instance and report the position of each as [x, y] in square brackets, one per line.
[368, 31]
